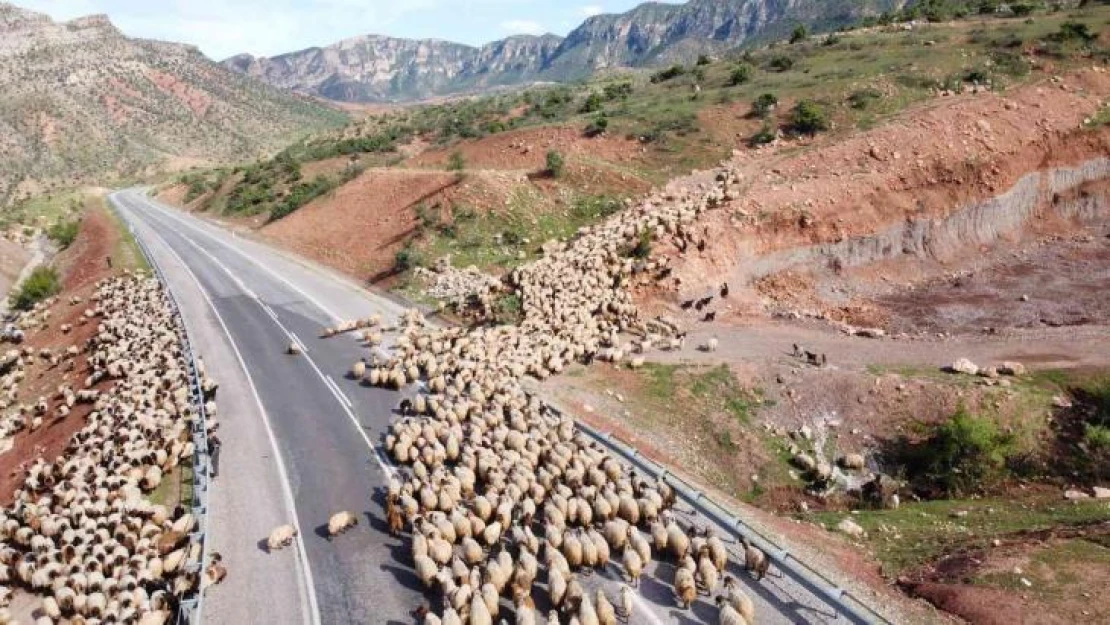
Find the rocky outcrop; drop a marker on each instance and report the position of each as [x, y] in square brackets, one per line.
[375, 68]
[80, 102]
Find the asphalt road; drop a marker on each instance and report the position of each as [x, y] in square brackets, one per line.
[299, 442]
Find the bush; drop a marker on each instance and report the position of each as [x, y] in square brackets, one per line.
[801, 33]
[592, 104]
[642, 249]
[64, 232]
[555, 163]
[808, 117]
[407, 258]
[1021, 9]
[41, 284]
[764, 104]
[597, 125]
[781, 63]
[703, 59]
[618, 91]
[765, 135]
[740, 74]
[1074, 31]
[673, 71]
[863, 98]
[456, 162]
[963, 455]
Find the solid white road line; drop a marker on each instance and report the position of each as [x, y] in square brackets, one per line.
[344, 403]
[307, 586]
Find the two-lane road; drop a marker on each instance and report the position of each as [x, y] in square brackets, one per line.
[299, 442]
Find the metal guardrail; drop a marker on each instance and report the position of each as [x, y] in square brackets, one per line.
[841, 599]
[191, 607]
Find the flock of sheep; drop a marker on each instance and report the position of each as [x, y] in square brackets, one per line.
[81, 532]
[498, 487]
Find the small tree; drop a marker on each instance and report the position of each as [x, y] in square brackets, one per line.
[765, 135]
[555, 164]
[801, 33]
[740, 74]
[456, 162]
[597, 126]
[764, 104]
[809, 117]
[703, 59]
[781, 63]
[593, 103]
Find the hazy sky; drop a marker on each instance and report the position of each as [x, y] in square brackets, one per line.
[268, 27]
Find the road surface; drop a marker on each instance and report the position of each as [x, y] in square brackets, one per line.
[299, 442]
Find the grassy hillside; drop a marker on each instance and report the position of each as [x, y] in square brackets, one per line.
[647, 127]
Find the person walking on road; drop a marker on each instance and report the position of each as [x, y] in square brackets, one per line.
[214, 445]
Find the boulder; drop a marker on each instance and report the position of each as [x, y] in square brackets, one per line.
[852, 461]
[963, 365]
[805, 462]
[1011, 368]
[1102, 492]
[1072, 494]
[851, 528]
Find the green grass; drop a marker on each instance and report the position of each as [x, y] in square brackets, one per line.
[176, 487]
[43, 211]
[126, 254]
[41, 284]
[920, 532]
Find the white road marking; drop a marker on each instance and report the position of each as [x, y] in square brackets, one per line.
[344, 403]
[338, 390]
[307, 586]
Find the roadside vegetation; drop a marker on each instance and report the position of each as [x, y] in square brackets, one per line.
[40, 284]
[678, 118]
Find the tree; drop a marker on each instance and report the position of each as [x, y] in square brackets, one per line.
[593, 103]
[703, 59]
[740, 74]
[801, 33]
[555, 163]
[597, 126]
[764, 104]
[808, 117]
[456, 162]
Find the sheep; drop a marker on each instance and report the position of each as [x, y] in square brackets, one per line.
[633, 566]
[686, 590]
[294, 349]
[281, 536]
[341, 522]
[755, 560]
[739, 600]
[727, 613]
[626, 602]
[710, 345]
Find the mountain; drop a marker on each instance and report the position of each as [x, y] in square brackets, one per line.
[375, 68]
[80, 102]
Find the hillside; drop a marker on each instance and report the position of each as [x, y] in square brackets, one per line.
[82, 103]
[376, 68]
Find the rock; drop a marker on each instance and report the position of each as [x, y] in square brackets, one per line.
[870, 333]
[806, 432]
[958, 514]
[852, 461]
[1072, 494]
[1026, 583]
[851, 528]
[1061, 402]
[1102, 492]
[1011, 368]
[805, 462]
[963, 365]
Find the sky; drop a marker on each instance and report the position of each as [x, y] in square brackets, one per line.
[221, 28]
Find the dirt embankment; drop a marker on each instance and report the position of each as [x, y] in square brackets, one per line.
[80, 266]
[884, 194]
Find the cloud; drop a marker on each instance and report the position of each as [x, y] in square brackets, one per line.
[591, 10]
[523, 27]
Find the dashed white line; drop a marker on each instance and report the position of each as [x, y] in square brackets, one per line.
[307, 587]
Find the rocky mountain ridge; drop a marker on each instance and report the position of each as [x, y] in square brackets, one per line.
[81, 103]
[375, 68]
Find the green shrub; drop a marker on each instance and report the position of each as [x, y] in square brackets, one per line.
[302, 194]
[703, 59]
[740, 74]
[1097, 438]
[862, 98]
[642, 249]
[1074, 31]
[456, 162]
[1021, 9]
[765, 135]
[407, 258]
[64, 232]
[618, 91]
[509, 309]
[801, 33]
[808, 117]
[556, 164]
[965, 454]
[41, 284]
[764, 104]
[592, 104]
[664, 75]
[781, 63]
[597, 126]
